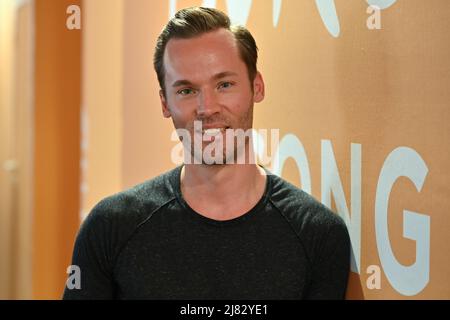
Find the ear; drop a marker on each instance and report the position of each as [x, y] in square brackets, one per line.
[165, 108]
[258, 88]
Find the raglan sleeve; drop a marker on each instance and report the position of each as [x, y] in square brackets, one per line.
[331, 264]
[90, 274]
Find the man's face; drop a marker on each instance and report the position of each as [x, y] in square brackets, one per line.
[207, 81]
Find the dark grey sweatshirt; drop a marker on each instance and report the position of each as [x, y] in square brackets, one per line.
[147, 243]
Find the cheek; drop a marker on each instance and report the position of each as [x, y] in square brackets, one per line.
[182, 111]
[240, 105]
[178, 118]
[238, 102]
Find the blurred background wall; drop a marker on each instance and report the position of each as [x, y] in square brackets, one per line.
[360, 97]
[57, 80]
[16, 147]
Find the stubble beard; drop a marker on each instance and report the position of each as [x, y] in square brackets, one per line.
[237, 153]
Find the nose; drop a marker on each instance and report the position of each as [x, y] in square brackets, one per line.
[207, 104]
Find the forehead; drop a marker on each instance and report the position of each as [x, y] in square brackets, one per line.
[202, 56]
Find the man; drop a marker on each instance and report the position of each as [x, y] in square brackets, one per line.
[226, 230]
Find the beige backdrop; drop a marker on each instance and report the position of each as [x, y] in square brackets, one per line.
[363, 117]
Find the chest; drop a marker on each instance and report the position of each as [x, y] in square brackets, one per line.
[254, 263]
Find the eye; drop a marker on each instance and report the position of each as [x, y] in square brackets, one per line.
[225, 85]
[185, 92]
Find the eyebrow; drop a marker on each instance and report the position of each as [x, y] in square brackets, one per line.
[217, 76]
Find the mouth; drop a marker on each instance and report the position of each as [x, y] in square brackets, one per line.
[214, 131]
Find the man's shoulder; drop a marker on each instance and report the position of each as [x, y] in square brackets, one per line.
[113, 220]
[315, 224]
[301, 209]
[135, 204]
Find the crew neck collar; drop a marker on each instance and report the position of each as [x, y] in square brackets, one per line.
[174, 180]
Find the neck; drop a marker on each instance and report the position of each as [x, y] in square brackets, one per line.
[222, 192]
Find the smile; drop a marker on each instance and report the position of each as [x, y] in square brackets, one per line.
[213, 131]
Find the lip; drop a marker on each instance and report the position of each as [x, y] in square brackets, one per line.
[215, 126]
[222, 127]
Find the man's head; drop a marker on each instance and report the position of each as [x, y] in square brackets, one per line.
[196, 21]
[207, 72]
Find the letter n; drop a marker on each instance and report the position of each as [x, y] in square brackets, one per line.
[331, 184]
